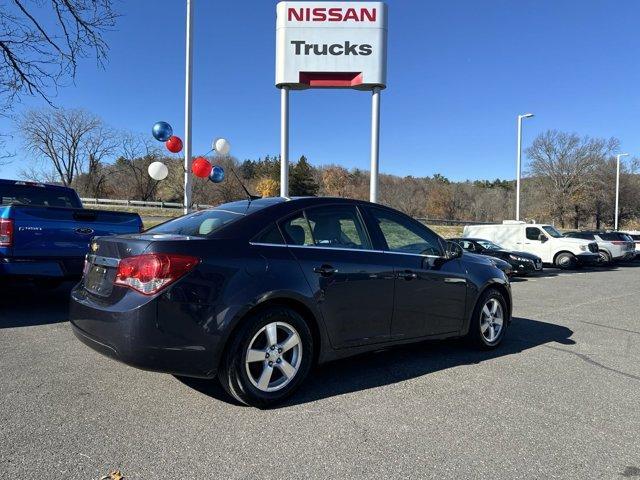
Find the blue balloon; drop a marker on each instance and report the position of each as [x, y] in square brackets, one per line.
[162, 131]
[217, 174]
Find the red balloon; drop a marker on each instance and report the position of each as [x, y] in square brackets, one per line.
[201, 167]
[174, 144]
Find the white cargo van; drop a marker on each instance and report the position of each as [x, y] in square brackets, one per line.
[539, 239]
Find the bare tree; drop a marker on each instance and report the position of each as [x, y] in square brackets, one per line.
[41, 43]
[137, 152]
[102, 144]
[60, 139]
[566, 163]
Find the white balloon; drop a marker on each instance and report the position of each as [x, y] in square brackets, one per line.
[221, 145]
[158, 171]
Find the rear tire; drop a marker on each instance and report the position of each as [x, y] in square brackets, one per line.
[605, 257]
[565, 261]
[268, 357]
[489, 320]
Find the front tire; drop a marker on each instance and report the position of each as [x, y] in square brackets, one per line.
[565, 261]
[489, 320]
[267, 358]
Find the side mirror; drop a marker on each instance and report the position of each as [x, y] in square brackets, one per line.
[453, 250]
[543, 238]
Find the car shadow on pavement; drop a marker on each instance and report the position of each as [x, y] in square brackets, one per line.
[26, 305]
[402, 363]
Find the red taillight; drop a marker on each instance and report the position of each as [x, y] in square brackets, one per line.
[618, 242]
[6, 232]
[150, 273]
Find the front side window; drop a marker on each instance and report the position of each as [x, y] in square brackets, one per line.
[337, 227]
[533, 233]
[405, 236]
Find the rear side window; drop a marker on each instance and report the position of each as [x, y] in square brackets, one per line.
[608, 237]
[198, 224]
[337, 227]
[38, 195]
[297, 231]
[271, 235]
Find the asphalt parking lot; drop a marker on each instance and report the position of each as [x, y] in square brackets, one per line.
[559, 399]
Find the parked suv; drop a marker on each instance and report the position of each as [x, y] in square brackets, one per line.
[635, 236]
[538, 239]
[612, 246]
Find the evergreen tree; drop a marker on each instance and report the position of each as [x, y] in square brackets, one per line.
[302, 181]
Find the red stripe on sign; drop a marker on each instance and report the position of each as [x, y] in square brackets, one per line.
[331, 79]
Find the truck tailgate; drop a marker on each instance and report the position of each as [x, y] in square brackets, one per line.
[64, 232]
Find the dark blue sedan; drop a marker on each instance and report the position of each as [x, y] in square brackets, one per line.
[256, 292]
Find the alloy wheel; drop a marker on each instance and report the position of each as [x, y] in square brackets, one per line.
[492, 320]
[273, 356]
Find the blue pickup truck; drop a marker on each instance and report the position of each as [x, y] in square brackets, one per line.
[45, 232]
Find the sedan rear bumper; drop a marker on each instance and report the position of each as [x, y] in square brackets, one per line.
[133, 333]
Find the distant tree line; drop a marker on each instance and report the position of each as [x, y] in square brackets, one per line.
[570, 179]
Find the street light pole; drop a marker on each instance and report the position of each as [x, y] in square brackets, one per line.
[187, 112]
[618, 185]
[519, 162]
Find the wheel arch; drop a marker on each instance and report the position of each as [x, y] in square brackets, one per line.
[555, 257]
[294, 304]
[493, 284]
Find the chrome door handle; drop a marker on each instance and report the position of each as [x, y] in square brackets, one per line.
[454, 280]
[408, 275]
[325, 270]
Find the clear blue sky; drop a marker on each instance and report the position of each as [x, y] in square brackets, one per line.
[459, 72]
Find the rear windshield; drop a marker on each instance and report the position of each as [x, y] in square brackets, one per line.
[198, 224]
[38, 195]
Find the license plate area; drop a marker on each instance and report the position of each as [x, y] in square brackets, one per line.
[99, 281]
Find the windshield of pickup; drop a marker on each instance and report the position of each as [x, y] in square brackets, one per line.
[38, 195]
[552, 231]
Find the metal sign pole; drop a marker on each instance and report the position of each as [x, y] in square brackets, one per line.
[187, 113]
[375, 144]
[617, 190]
[284, 142]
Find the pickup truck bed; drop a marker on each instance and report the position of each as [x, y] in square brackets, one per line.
[39, 241]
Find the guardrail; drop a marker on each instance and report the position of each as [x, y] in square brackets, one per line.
[173, 205]
[137, 203]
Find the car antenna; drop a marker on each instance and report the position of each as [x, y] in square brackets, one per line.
[249, 196]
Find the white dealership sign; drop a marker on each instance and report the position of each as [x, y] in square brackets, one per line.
[331, 44]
